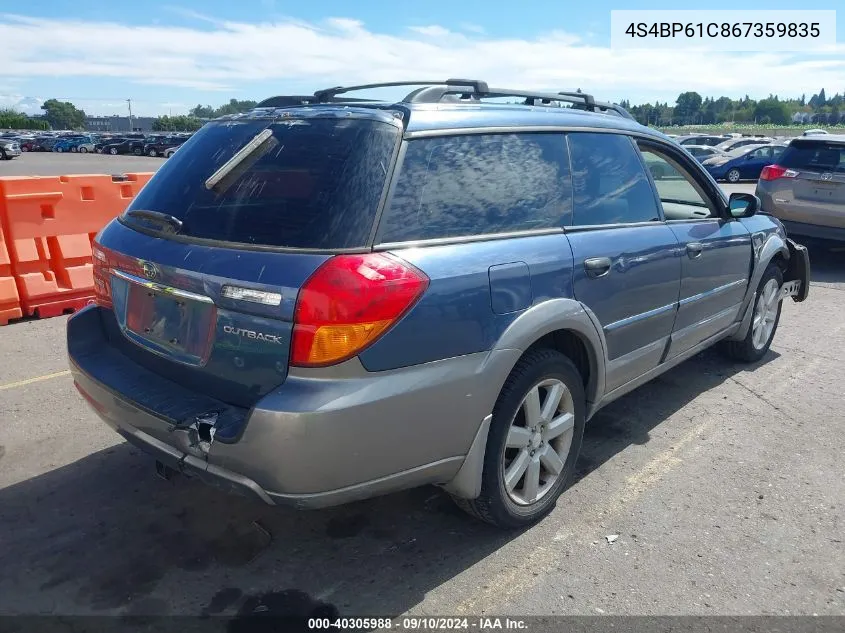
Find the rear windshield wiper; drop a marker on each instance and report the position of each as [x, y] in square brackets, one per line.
[236, 166]
[157, 216]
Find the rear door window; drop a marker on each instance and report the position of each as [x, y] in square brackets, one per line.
[466, 185]
[311, 183]
[609, 181]
[817, 156]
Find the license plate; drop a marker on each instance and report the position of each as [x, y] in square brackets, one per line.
[171, 323]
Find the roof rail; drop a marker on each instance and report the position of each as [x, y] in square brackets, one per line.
[283, 101]
[579, 100]
[476, 85]
[457, 89]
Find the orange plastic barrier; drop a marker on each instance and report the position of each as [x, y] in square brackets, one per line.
[10, 304]
[49, 224]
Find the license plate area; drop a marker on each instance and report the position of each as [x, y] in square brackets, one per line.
[173, 323]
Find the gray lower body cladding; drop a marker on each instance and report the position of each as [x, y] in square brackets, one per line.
[324, 437]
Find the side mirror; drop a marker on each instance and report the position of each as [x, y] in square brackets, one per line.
[743, 205]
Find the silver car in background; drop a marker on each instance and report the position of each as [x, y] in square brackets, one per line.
[805, 190]
[9, 149]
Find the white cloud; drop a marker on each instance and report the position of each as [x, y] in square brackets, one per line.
[226, 55]
[431, 31]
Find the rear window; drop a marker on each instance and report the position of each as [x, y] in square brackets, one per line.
[814, 156]
[311, 182]
[459, 186]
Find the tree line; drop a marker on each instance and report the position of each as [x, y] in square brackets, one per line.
[691, 109]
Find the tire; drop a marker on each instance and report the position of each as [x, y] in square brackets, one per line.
[152, 153]
[496, 504]
[59, 150]
[73, 150]
[138, 151]
[113, 151]
[3, 154]
[733, 176]
[24, 148]
[83, 150]
[756, 343]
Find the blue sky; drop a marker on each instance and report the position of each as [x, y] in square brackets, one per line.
[170, 55]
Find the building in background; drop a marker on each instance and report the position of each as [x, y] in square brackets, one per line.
[119, 123]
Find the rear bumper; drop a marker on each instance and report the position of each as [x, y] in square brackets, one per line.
[324, 437]
[817, 231]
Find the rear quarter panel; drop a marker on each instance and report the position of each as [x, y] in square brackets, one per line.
[456, 315]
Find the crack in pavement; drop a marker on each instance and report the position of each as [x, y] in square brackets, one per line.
[761, 398]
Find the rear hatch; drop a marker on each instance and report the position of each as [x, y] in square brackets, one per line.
[815, 194]
[200, 275]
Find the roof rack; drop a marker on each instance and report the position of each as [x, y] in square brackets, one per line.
[453, 90]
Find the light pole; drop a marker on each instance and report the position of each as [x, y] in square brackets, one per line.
[129, 102]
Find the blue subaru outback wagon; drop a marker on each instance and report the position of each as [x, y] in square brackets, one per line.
[330, 298]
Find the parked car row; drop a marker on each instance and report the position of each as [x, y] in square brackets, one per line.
[734, 157]
[13, 144]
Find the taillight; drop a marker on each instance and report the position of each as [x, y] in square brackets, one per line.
[348, 303]
[102, 272]
[773, 172]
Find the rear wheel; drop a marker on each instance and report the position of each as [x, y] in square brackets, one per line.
[764, 320]
[534, 441]
[83, 150]
[59, 150]
[152, 153]
[138, 151]
[732, 175]
[113, 151]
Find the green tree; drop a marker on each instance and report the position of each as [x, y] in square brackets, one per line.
[14, 120]
[687, 107]
[772, 110]
[233, 107]
[63, 115]
[202, 112]
[180, 123]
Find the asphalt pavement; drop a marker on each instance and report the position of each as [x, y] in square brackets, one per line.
[720, 486]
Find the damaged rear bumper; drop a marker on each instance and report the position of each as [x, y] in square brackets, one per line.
[196, 466]
[315, 441]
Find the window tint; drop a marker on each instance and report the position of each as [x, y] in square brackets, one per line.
[609, 182]
[814, 156]
[458, 186]
[313, 183]
[680, 196]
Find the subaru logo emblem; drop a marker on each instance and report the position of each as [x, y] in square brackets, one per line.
[150, 270]
[827, 176]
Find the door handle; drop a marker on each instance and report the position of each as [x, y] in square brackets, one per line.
[597, 266]
[694, 249]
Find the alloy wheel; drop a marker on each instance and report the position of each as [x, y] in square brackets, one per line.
[765, 314]
[538, 442]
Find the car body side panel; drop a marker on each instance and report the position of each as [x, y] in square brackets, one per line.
[459, 298]
[767, 241]
[713, 282]
[635, 301]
